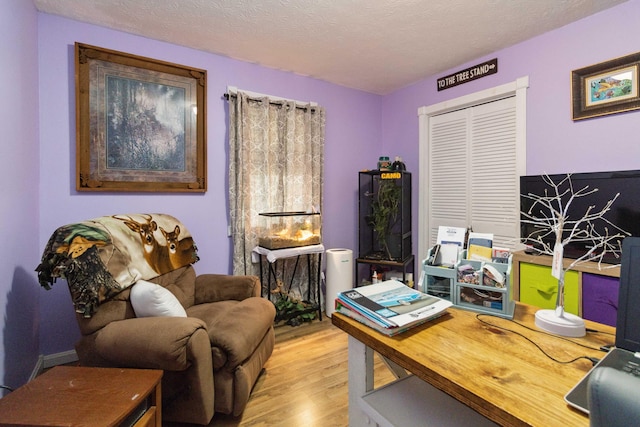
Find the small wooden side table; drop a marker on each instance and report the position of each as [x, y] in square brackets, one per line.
[82, 396]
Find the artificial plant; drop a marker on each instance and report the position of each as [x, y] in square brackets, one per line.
[290, 309]
[385, 208]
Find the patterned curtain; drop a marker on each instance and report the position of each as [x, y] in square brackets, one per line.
[276, 162]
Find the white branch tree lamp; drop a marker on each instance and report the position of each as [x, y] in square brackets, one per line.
[550, 215]
[558, 321]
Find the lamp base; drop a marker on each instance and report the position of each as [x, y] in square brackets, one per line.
[566, 325]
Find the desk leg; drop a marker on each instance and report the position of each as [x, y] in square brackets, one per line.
[397, 370]
[271, 273]
[309, 277]
[318, 290]
[293, 273]
[360, 380]
[317, 281]
[261, 279]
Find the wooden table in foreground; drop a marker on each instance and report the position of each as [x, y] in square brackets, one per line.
[79, 396]
[497, 373]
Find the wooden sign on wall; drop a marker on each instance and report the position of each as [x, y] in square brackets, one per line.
[472, 73]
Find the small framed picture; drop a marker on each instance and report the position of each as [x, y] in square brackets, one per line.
[606, 88]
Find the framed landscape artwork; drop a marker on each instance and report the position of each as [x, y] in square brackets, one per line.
[140, 123]
[606, 88]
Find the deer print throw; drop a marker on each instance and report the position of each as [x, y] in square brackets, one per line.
[103, 256]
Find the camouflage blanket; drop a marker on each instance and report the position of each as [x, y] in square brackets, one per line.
[101, 257]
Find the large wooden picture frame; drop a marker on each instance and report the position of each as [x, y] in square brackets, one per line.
[606, 88]
[140, 123]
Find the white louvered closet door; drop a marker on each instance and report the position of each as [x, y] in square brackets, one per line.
[448, 172]
[473, 177]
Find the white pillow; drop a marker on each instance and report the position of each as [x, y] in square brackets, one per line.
[151, 300]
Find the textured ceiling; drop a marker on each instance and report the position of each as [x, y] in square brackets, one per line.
[374, 45]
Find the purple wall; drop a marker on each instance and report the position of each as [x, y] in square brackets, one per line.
[19, 290]
[352, 137]
[40, 127]
[555, 144]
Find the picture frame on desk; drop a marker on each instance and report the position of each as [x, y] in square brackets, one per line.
[140, 123]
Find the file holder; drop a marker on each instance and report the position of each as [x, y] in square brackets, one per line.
[475, 296]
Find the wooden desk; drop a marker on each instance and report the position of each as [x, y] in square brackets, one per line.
[496, 373]
[67, 395]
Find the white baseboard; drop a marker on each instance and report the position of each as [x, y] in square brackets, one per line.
[51, 360]
[62, 358]
[37, 370]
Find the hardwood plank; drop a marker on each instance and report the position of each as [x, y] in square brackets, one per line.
[305, 381]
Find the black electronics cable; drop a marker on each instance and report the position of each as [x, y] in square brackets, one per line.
[595, 331]
[591, 359]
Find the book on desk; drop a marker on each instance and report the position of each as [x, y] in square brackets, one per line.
[390, 307]
[479, 246]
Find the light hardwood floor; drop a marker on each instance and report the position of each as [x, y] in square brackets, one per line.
[305, 380]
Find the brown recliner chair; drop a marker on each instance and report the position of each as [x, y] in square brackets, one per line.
[211, 358]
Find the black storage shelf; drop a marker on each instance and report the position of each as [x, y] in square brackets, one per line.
[377, 192]
[364, 267]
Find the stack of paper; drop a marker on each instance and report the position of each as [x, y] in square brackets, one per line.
[451, 242]
[390, 307]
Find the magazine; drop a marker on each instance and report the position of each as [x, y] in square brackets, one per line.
[390, 332]
[500, 255]
[479, 246]
[451, 235]
[392, 304]
[450, 243]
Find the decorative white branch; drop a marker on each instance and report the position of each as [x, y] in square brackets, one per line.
[551, 217]
[554, 218]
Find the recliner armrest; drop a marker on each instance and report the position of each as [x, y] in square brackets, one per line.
[243, 327]
[152, 342]
[222, 287]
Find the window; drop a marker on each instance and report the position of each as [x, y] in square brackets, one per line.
[276, 161]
